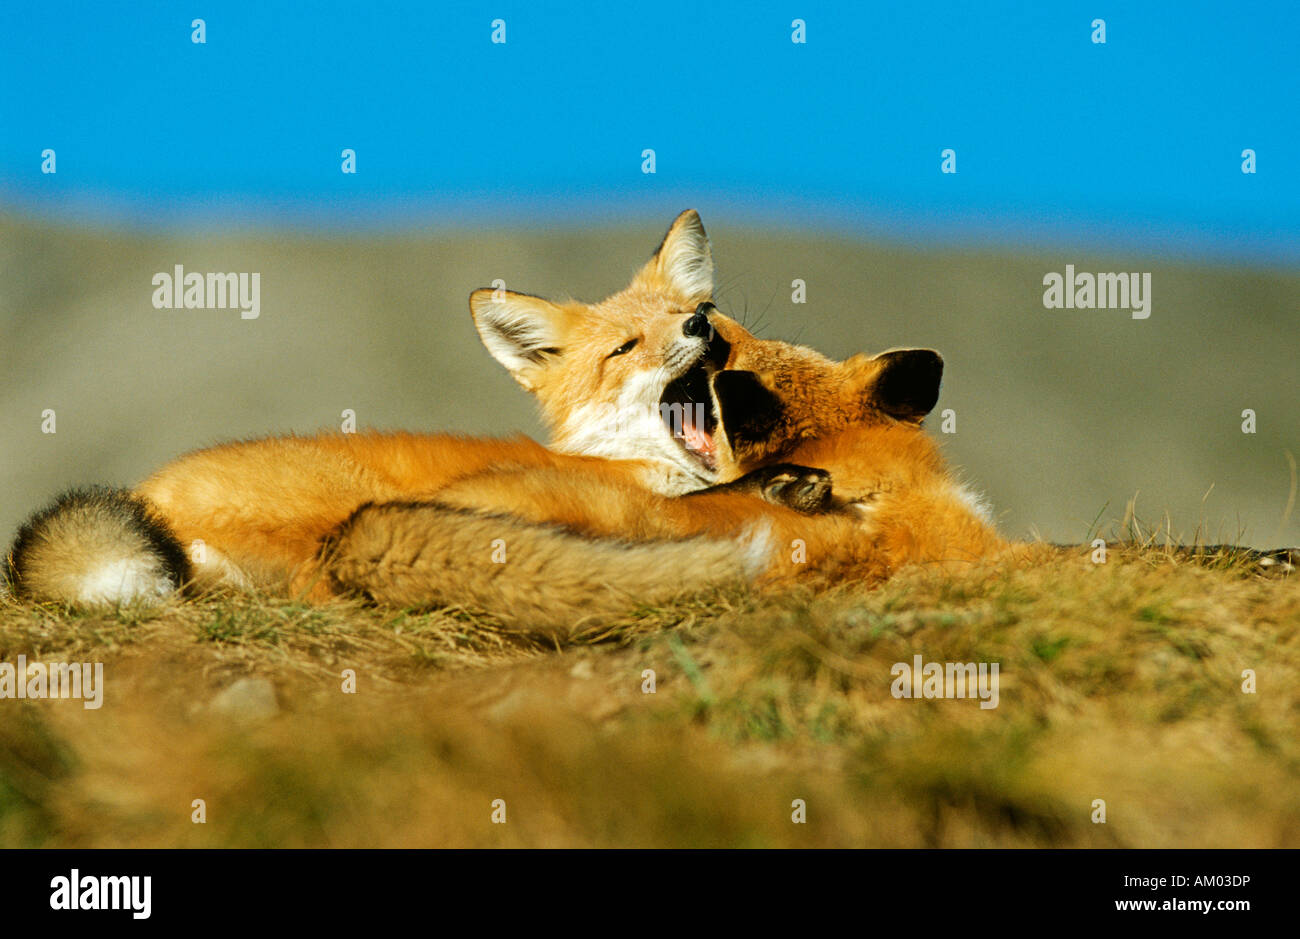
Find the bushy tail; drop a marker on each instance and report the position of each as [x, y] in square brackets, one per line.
[96, 546]
[538, 578]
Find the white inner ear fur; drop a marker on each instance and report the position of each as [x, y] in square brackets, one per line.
[686, 261]
[515, 329]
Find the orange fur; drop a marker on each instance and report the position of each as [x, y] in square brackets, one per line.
[263, 509]
[260, 508]
[895, 501]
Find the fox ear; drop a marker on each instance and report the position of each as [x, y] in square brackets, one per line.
[521, 331]
[684, 261]
[749, 415]
[907, 385]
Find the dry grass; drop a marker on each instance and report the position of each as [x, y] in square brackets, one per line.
[1119, 682]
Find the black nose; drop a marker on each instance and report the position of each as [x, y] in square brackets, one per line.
[697, 324]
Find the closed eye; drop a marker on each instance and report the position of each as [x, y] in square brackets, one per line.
[624, 348]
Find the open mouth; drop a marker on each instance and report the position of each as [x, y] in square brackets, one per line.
[687, 408]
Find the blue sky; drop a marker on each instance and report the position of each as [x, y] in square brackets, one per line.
[1135, 143]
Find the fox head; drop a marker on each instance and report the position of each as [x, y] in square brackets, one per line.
[624, 378]
[772, 396]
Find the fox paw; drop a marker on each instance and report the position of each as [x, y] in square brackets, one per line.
[801, 488]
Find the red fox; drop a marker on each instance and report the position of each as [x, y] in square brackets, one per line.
[621, 384]
[547, 547]
[881, 496]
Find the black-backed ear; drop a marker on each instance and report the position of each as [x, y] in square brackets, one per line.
[748, 411]
[908, 384]
[522, 332]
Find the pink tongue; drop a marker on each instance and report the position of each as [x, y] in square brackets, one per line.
[697, 438]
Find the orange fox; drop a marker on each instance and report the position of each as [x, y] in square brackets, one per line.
[779, 408]
[580, 544]
[621, 384]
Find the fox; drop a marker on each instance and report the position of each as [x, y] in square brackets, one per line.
[621, 386]
[852, 489]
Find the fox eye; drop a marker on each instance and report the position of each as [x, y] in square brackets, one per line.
[625, 347]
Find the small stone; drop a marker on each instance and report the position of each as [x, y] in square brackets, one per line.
[247, 697]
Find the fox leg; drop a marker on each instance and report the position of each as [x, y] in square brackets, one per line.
[590, 504]
[597, 506]
[801, 488]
